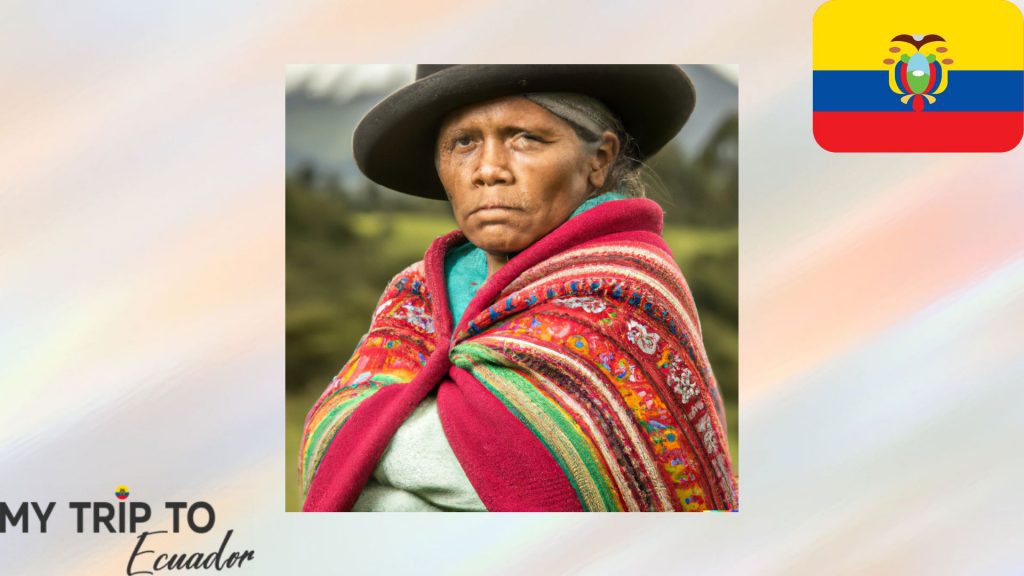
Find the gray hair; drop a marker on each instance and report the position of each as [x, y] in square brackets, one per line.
[590, 118]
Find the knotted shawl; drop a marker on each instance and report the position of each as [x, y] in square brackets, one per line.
[576, 380]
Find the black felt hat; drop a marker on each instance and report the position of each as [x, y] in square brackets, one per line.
[394, 143]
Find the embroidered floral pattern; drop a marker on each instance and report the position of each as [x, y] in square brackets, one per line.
[695, 409]
[681, 380]
[586, 303]
[708, 433]
[418, 317]
[645, 340]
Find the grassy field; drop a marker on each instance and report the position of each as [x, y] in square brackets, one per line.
[384, 244]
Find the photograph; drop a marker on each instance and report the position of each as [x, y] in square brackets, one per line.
[512, 287]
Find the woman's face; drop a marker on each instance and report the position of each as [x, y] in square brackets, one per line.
[514, 172]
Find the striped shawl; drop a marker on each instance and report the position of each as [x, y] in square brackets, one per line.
[576, 380]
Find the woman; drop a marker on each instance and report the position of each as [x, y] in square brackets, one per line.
[547, 355]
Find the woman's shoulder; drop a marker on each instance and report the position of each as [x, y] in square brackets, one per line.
[410, 281]
[406, 299]
[634, 259]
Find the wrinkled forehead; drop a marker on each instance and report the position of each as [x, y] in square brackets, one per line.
[516, 108]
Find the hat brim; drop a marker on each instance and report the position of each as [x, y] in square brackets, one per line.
[394, 143]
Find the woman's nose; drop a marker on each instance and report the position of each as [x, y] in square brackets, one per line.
[492, 169]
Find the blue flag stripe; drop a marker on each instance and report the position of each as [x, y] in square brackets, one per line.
[967, 91]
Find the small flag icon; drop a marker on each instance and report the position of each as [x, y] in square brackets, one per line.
[918, 76]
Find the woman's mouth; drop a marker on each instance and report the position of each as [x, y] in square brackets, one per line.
[492, 209]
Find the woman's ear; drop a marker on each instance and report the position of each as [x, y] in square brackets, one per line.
[604, 157]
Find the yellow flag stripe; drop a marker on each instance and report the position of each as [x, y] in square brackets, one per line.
[980, 35]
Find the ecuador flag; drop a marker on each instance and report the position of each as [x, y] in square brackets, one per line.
[918, 76]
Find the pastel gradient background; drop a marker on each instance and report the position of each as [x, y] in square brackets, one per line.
[142, 300]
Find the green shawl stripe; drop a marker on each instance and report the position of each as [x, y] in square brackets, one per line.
[337, 416]
[570, 448]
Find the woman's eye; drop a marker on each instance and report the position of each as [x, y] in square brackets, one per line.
[462, 141]
[529, 138]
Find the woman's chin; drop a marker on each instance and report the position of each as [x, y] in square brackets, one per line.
[500, 242]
